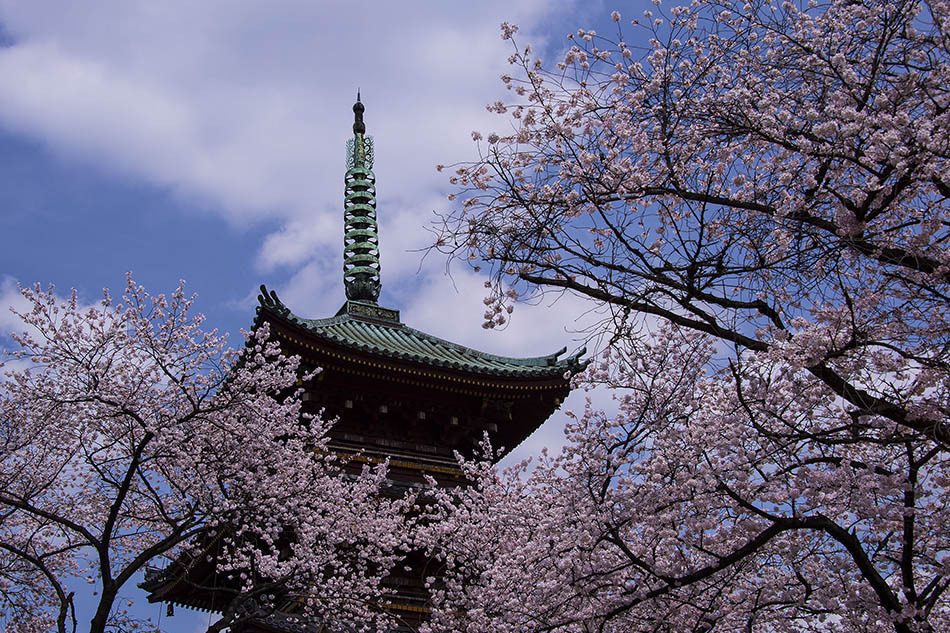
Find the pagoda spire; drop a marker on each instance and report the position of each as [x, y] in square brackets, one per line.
[360, 239]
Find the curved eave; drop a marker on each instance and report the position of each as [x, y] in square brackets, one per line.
[413, 372]
[405, 346]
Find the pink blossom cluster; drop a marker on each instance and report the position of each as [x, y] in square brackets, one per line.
[744, 498]
[775, 176]
[759, 195]
[129, 434]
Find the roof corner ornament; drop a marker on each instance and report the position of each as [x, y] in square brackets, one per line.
[360, 240]
[269, 299]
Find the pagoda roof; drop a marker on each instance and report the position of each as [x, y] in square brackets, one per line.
[377, 331]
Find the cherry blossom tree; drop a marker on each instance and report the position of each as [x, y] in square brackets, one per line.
[129, 433]
[759, 197]
[739, 499]
[774, 176]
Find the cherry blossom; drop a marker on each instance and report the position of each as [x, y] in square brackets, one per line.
[775, 176]
[742, 498]
[130, 434]
[758, 193]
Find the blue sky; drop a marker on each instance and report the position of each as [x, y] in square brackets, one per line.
[205, 141]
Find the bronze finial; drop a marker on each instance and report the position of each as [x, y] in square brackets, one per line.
[358, 126]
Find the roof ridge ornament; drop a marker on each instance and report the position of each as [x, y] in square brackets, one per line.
[361, 266]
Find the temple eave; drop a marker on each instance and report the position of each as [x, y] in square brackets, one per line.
[386, 342]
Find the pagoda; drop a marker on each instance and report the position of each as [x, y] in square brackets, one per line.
[399, 394]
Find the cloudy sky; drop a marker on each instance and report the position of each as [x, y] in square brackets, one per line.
[204, 140]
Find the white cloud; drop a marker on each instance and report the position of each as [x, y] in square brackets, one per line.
[246, 108]
[534, 330]
[299, 241]
[314, 291]
[11, 299]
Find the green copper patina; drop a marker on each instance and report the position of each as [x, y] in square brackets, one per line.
[378, 332]
[360, 241]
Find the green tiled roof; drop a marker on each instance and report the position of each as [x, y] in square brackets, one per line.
[384, 335]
